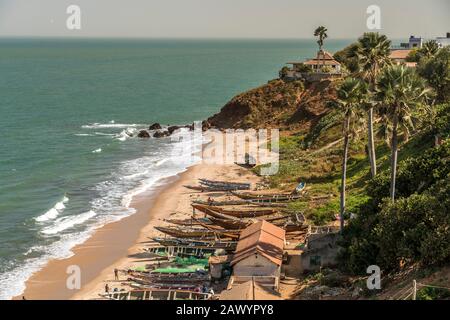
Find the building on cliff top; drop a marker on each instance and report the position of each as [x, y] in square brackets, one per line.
[323, 66]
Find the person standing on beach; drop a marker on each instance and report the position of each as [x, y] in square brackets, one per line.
[116, 274]
[106, 288]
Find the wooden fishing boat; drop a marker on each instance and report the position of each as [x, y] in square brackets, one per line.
[153, 278]
[300, 187]
[239, 203]
[266, 197]
[238, 224]
[144, 284]
[197, 244]
[231, 224]
[207, 189]
[210, 210]
[220, 203]
[230, 185]
[188, 222]
[197, 233]
[156, 294]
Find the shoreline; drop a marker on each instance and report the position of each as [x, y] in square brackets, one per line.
[111, 242]
[119, 244]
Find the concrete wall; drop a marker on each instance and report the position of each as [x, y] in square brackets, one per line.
[256, 265]
[321, 251]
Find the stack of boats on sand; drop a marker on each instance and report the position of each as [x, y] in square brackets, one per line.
[179, 264]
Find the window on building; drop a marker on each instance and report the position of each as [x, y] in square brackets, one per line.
[315, 261]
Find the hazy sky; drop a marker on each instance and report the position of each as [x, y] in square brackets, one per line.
[222, 18]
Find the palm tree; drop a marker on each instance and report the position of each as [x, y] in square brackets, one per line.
[401, 91]
[350, 96]
[321, 32]
[429, 49]
[373, 52]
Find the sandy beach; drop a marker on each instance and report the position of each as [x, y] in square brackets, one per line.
[120, 244]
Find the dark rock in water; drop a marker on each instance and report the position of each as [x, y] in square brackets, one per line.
[155, 126]
[171, 129]
[160, 134]
[143, 134]
[205, 125]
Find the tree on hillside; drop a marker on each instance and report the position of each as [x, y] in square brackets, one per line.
[400, 90]
[429, 49]
[436, 70]
[321, 33]
[350, 96]
[373, 52]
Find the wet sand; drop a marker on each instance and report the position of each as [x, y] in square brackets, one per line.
[120, 244]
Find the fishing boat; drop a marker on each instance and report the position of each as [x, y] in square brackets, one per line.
[197, 233]
[229, 185]
[188, 222]
[238, 224]
[207, 189]
[153, 278]
[266, 197]
[196, 244]
[219, 212]
[156, 294]
[239, 203]
[300, 187]
[231, 224]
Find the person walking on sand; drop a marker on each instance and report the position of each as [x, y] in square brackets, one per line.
[116, 274]
[106, 288]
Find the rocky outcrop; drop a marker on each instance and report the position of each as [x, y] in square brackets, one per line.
[143, 134]
[161, 134]
[278, 104]
[155, 126]
[172, 129]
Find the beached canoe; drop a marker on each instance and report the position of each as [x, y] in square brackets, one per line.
[188, 222]
[239, 203]
[197, 233]
[224, 184]
[212, 211]
[156, 294]
[197, 244]
[255, 197]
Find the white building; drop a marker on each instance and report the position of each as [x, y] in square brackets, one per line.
[413, 42]
[443, 41]
[323, 66]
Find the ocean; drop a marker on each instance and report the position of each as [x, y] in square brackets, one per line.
[67, 164]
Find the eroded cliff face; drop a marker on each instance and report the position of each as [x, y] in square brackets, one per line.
[278, 104]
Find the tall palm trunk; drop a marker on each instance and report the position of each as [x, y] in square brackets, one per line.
[344, 174]
[371, 144]
[394, 157]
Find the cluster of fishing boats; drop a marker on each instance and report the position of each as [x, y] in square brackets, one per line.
[181, 254]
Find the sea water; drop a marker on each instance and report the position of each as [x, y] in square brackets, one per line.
[67, 109]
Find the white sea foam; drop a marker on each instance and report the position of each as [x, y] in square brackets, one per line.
[110, 125]
[104, 134]
[125, 134]
[111, 203]
[68, 222]
[54, 211]
[97, 150]
[84, 135]
[13, 282]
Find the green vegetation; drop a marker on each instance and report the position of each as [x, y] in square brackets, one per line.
[428, 293]
[411, 111]
[436, 70]
[372, 51]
